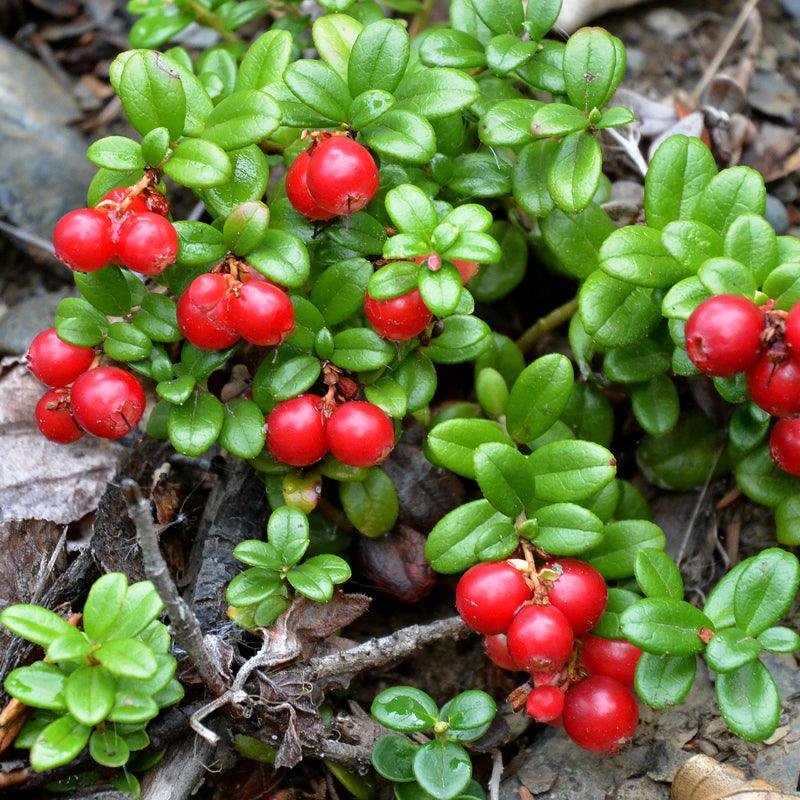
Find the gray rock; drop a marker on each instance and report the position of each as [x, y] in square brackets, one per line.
[667, 23]
[24, 320]
[44, 172]
[792, 6]
[773, 95]
[777, 215]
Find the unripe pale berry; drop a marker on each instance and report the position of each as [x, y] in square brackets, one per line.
[613, 658]
[55, 362]
[723, 335]
[296, 431]
[261, 313]
[784, 445]
[107, 402]
[600, 714]
[496, 649]
[83, 240]
[360, 434]
[147, 243]
[540, 638]
[399, 318]
[579, 592]
[297, 190]
[545, 703]
[489, 595]
[204, 312]
[342, 176]
[54, 417]
[775, 386]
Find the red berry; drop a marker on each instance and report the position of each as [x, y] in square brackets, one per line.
[496, 649]
[723, 334]
[111, 200]
[545, 703]
[297, 190]
[466, 269]
[793, 330]
[613, 658]
[360, 434]
[489, 595]
[296, 431]
[540, 639]
[147, 243]
[55, 362]
[83, 240]
[107, 402]
[579, 592]
[775, 386]
[261, 313]
[204, 312]
[600, 714]
[342, 175]
[54, 417]
[784, 445]
[400, 318]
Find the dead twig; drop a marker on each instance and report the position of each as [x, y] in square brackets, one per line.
[497, 774]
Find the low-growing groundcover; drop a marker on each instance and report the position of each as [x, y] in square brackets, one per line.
[362, 211]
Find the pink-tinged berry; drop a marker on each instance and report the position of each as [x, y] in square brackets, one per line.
[613, 658]
[204, 312]
[793, 330]
[466, 269]
[360, 434]
[545, 703]
[296, 431]
[399, 318]
[723, 335]
[147, 243]
[579, 592]
[83, 240]
[54, 417]
[784, 445]
[297, 190]
[775, 386]
[600, 714]
[489, 595]
[261, 313]
[496, 649]
[107, 402]
[342, 176]
[111, 201]
[55, 362]
[540, 638]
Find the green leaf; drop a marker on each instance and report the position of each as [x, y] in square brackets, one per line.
[320, 88]
[372, 504]
[339, 291]
[663, 681]
[719, 604]
[541, 17]
[450, 48]
[779, 640]
[378, 58]
[751, 240]
[570, 471]
[539, 396]
[334, 35]
[39, 686]
[106, 289]
[199, 164]
[127, 658]
[73, 646]
[480, 175]
[679, 172]
[731, 193]
[402, 135]
[442, 769]
[435, 92]
[417, 377]
[565, 529]
[508, 123]
[242, 432]
[665, 626]
[124, 342]
[615, 117]
[116, 152]
[336, 568]
[615, 557]
[508, 52]
[787, 521]
[103, 605]
[243, 118]
[453, 444]
[529, 177]
[312, 582]
[411, 210]
[152, 93]
[469, 710]
[288, 533]
[361, 349]
[155, 30]
[393, 757]
[726, 276]
[157, 318]
[283, 258]
[290, 378]
[142, 606]
[265, 60]
[594, 63]
[766, 590]
[79, 323]
[636, 254]
[369, 107]
[253, 586]
[618, 601]
[109, 748]
[730, 649]
[34, 623]
[199, 244]
[441, 290]
[783, 286]
[450, 547]
[558, 119]
[691, 243]
[403, 708]
[133, 708]
[749, 701]
[762, 480]
[268, 610]
[576, 238]
[59, 743]
[463, 338]
[657, 574]
[545, 71]
[505, 477]
[388, 395]
[656, 405]
[89, 693]
[256, 553]
[194, 426]
[636, 363]
[249, 182]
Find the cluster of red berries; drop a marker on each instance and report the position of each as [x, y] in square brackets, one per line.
[105, 401]
[539, 623]
[217, 309]
[728, 334]
[302, 430]
[334, 177]
[123, 228]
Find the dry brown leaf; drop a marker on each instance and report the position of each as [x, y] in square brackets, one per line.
[12, 718]
[704, 778]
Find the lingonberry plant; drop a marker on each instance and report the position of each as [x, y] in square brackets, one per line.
[352, 208]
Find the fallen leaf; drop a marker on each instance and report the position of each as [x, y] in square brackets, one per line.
[704, 778]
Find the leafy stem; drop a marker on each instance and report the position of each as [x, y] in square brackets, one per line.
[543, 325]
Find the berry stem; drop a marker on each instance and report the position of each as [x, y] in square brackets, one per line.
[543, 325]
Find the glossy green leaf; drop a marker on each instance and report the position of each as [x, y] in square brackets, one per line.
[636, 254]
[59, 743]
[453, 444]
[442, 769]
[404, 708]
[749, 701]
[664, 681]
[199, 164]
[657, 574]
[569, 471]
[371, 505]
[615, 557]
[194, 426]
[730, 649]
[89, 693]
[665, 626]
